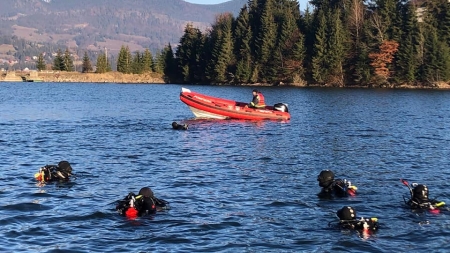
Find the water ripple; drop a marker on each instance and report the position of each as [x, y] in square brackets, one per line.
[234, 186]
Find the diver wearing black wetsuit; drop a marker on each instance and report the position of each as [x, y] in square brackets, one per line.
[348, 220]
[419, 199]
[332, 187]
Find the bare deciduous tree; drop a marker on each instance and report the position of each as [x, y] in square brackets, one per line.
[356, 18]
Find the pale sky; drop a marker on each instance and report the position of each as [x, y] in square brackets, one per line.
[302, 3]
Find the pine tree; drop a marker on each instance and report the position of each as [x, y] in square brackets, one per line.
[124, 60]
[406, 57]
[387, 10]
[356, 62]
[289, 51]
[243, 36]
[222, 51]
[87, 66]
[136, 65]
[68, 61]
[102, 65]
[189, 55]
[444, 22]
[335, 49]
[444, 60]
[265, 42]
[121, 60]
[170, 70]
[306, 27]
[325, 5]
[294, 66]
[58, 62]
[159, 64]
[362, 73]
[40, 64]
[255, 8]
[318, 62]
[147, 61]
[436, 58]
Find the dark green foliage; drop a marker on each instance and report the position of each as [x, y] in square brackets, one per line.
[436, 65]
[58, 62]
[265, 43]
[124, 60]
[147, 61]
[159, 64]
[306, 24]
[266, 37]
[137, 63]
[86, 65]
[222, 49]
[388, 11]
[444, 21]
[340, 42]
[67, 61]
[335, 49]
[40, 64]
[170, 69]
[406, 57]
[356, 64]
[189, 55]
[319, 61]
[165, 63]
[289, 51]
[362, 68]
[103, 65]
[242, 50]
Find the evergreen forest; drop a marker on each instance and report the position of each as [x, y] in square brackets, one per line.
[376, 43]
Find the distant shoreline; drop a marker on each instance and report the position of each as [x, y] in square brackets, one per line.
[156, 78]
[77, 77]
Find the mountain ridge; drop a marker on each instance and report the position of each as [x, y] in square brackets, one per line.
[99, 24]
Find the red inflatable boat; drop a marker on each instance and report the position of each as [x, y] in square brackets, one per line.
[204, 106]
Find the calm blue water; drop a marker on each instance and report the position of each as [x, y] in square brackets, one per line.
[234, 186]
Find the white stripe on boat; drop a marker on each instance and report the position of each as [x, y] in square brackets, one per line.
[204, 114]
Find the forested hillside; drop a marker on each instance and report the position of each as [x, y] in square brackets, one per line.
[338, 42]
[98, 24]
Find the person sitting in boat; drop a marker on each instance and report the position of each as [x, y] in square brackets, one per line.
[49, 173]
[177, 126]
[334, 187]
[144, 203]
[349, 220]
[419, 199]
[258, 100]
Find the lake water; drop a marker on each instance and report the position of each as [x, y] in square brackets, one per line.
[234, 186]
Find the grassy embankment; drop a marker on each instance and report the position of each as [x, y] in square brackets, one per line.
[60, 76]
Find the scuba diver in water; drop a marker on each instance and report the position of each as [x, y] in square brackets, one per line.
[49, 173]
[419, 198]
[144, 203]
[334, 187]
[349, 220]
[177, 126]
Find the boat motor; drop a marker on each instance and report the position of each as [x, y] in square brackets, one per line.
[282, 107]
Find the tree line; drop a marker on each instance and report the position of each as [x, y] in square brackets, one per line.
[127, 63]
[337, 42]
